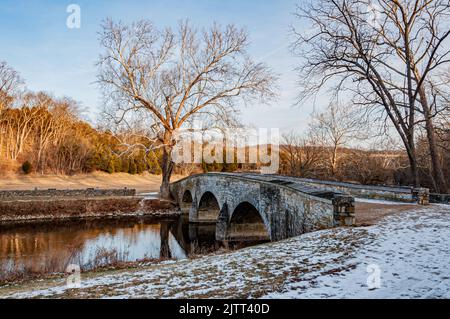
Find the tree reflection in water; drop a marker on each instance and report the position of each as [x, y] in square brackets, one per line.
[42, 248]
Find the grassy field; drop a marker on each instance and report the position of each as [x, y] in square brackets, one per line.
[142, 183]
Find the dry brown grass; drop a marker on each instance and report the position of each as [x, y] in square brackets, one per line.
[142, 183]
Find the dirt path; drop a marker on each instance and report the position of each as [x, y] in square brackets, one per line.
[370, 212]
[142, 183]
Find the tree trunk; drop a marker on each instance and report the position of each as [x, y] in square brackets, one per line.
[167, 166]
[411, 150]
[334, 161]
[438, 174]
[411, 100]
[165, 252]
[436, 168]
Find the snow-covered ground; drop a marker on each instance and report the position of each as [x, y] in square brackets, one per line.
[404, 256]
[380, 201]
[152, 195]
[410, 252]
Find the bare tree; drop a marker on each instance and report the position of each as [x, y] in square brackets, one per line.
[10, 82]
[17, 126]
[299, 157]
[423, 28]
[336, 127]
[385, 62]
[51, 121]
[175, 76]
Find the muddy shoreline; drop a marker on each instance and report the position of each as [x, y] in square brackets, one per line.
[132, 265]
[102, 270]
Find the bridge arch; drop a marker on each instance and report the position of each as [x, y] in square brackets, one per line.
[247, 224]
[208, 208]
[186, 202]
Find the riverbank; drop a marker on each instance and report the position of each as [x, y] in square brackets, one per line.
[145, 183]
[97, 195]
[32, 210]
[409, 249]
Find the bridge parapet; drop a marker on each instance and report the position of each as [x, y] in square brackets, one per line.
[394, 193]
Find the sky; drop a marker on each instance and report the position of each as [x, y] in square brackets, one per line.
[36, 41]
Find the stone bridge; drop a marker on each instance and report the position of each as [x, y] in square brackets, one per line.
[248, 207]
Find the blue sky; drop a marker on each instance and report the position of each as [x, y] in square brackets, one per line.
[35, 41]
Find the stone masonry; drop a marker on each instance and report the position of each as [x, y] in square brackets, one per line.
[284, 210]
[71, 193]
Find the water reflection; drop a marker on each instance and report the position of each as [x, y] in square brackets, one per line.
[51, 247]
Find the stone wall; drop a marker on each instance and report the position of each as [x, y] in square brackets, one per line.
[440, 198]
[404, 194]
[74, 208]
[89, 192]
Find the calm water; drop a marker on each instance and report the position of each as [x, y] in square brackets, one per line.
[51, 247]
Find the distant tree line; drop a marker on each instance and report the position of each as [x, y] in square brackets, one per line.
[325, 151]
[371, 167]
[43, 134]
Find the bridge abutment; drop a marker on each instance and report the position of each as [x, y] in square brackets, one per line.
[344, 211]
[421, 195]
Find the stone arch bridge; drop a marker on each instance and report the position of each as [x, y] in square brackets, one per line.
[248, 207]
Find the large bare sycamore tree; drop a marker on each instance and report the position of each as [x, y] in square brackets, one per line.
[174, 76]
[386, 54]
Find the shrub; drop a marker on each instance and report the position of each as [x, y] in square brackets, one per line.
[133, 168]
[125, 165]
[141, 167]
[117, 163]
[110, 168]
[27, 168]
